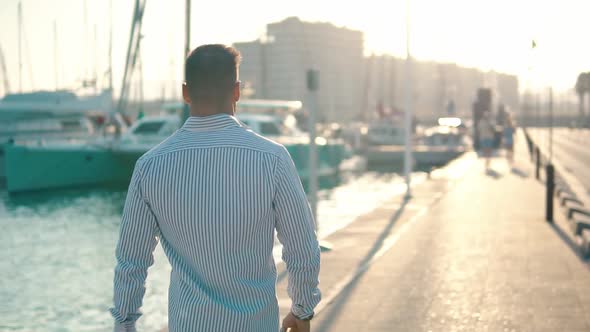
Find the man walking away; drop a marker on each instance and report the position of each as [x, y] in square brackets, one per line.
[213, 194]
[486, 138]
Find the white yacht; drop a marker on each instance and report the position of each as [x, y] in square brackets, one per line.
[434, 146]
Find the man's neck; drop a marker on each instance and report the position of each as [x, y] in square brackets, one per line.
[205, 110]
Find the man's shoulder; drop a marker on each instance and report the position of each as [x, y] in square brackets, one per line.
[239, 138]
[262, 143]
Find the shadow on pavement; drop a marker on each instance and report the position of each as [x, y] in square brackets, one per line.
[493, 174]
[570, 243]
[519, 172]
[332, 312]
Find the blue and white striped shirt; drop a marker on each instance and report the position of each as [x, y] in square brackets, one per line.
[213, 194]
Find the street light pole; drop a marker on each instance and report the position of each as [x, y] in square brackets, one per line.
[312, 86]
[408, 110]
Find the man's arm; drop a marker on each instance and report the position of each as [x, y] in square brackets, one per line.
[137, 240]
[296, 231]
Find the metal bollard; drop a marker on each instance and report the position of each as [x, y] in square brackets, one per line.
[537, 163]
[529, 144]
[550, 184]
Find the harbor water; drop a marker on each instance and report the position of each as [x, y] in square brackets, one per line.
[58, 253]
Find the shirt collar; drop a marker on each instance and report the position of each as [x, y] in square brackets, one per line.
[211, 122]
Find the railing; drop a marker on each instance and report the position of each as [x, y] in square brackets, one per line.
[570, 194]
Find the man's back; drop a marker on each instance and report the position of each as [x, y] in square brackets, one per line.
[214, 193]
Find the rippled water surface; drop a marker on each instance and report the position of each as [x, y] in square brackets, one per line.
[57, 252]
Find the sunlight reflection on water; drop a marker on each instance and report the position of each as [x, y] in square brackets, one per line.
[58, 253]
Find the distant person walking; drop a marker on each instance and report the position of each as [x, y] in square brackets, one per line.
[486, 137]
[508, 138]
[213, 194]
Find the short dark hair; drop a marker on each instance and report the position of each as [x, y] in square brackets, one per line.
[211, 71]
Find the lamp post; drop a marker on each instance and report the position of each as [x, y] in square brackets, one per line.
[408, 109]
[312, 87]
[313, 84]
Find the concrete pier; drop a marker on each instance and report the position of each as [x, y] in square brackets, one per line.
[470, 251]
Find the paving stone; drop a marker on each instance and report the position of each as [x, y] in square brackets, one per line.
[481, 258]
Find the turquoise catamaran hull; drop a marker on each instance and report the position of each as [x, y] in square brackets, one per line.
[34, 168]
[30, 168]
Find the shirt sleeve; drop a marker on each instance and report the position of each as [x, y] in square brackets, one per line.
[296, 231]
[134, 254]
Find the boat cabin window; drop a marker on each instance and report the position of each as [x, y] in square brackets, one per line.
[148, 128]
[70, 124]
[269, 128]
[266, 127]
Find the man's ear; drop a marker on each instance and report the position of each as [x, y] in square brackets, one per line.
[236, 93]
[185, 94]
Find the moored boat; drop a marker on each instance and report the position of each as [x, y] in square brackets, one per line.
[100, 162]
[110, 162]
[434, 147]
[330, 152]
[43, 116]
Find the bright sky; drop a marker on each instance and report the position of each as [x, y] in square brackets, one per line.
[476, 33]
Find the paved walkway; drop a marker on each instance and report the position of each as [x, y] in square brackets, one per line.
[469, 252]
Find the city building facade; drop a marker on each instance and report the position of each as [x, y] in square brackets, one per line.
[358, 87]
[439, 89]
[274, 67]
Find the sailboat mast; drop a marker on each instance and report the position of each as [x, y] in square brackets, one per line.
[187, 21]
[111, 47]
[132, 51]
[140, 83]
[4, 72]
[55, 61]
[20, 47]
[95, 64]
[85, 15]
